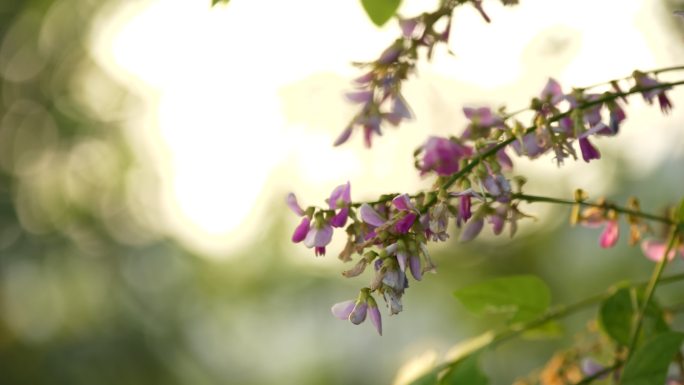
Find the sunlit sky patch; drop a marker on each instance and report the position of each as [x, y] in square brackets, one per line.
[244, 104]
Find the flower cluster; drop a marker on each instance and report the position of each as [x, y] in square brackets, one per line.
[473, 186]
[378, 90]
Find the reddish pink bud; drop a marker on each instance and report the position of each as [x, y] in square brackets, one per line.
[610, 234]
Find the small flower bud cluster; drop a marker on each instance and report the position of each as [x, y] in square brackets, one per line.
[378, 90]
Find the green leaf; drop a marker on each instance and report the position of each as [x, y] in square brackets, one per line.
[380, 11]
[617, 314]
[214, 2]
[466, 372]
[649, 363]
[522, 297]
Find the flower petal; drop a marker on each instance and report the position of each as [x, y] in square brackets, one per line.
[610, 234]
[343, 309]
[375, 318]
[302, 230]
[655, 250]
[358, 315]
[370, 216]
[291, 201]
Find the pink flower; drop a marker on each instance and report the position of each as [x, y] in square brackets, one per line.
[442, 156]
[482, 119]
[340, 198]
[302, 230]
[644, 81]
[655, 250]
[610, 234]
[318, 237]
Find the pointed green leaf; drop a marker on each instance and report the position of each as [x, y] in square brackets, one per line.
[466, 372]
[214, 2]
[380, 11]
[522, 297]
[649, 363]
[617, 314]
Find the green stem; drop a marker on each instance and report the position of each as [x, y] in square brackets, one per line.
[650, 290]
[623, 210]
[655, 72]
[604, 83]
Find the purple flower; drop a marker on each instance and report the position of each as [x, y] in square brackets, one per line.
[552, 92]
[498, 186]
[481, 120]
[403, 202]
[302, 230]
[442, 156]
[391, 54]
[400, 111]
[498, 219]
[368, 130]
[291, 201]
[370, 216]
[365, 78]
[340, 198]
[464, 212]
[504, 160]
[408, 27]
[644, 81]
[318, 237]
[414, 266]
[472, 229]
[344, 136]
[359, 96]
[374, 314]
[591, 368]
[343, 309]
[358, 314]
[530, 146]
[589, 152]
[617, 115]
[404, 224]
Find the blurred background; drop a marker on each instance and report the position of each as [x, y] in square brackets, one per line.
[146, 148]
